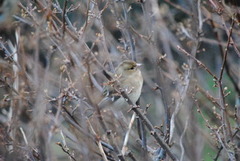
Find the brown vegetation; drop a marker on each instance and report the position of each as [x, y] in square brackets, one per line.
[51, 79]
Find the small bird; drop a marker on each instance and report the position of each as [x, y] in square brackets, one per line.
[127, 77]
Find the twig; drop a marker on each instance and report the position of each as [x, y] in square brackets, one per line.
[66, 150]
[181, 139]
[111, 138]
[226, 52]
[98, 141]
[216, 132]
[198, 62]
[142, 133]
[219, 9]
[109, 135]
[200, 20]
[74, 35]
[230, 155]
[125, 29]
[220, 45]
[102, 151]
[141, 130]
[63, 138]
[146, 38]
[149, 126]
[208, 96]
[63, 18]
[24, 136]
[130, 155]
[178, 7]
[9, 86]
[167, 111]
[124, 148]
[222, 101]
[225, 120]
[221, 148]
[107, 146]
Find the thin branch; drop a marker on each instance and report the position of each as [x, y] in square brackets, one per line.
[124, 148]
[198, 62]
[208, 96]
[221, 148]
[225, 119]
[226, 52]
[66, 150]
[24, 136]
[220, 45]
[98, 141]
[63, 18]
[181, 139]
[149, 126]
[178, 7]
[130, 155]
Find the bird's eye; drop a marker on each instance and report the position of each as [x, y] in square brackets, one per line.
[132, 68]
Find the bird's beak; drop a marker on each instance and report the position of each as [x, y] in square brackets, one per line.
[138, 64]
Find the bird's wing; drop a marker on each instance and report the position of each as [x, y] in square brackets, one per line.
[110, 92]
[110, 95]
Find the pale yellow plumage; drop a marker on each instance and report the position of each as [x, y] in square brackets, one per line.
[128, 76]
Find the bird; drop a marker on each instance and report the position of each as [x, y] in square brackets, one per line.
[127, 77]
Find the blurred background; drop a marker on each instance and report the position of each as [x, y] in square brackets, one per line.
[53, 54]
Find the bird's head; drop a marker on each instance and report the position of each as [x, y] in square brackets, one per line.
[127, 67]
